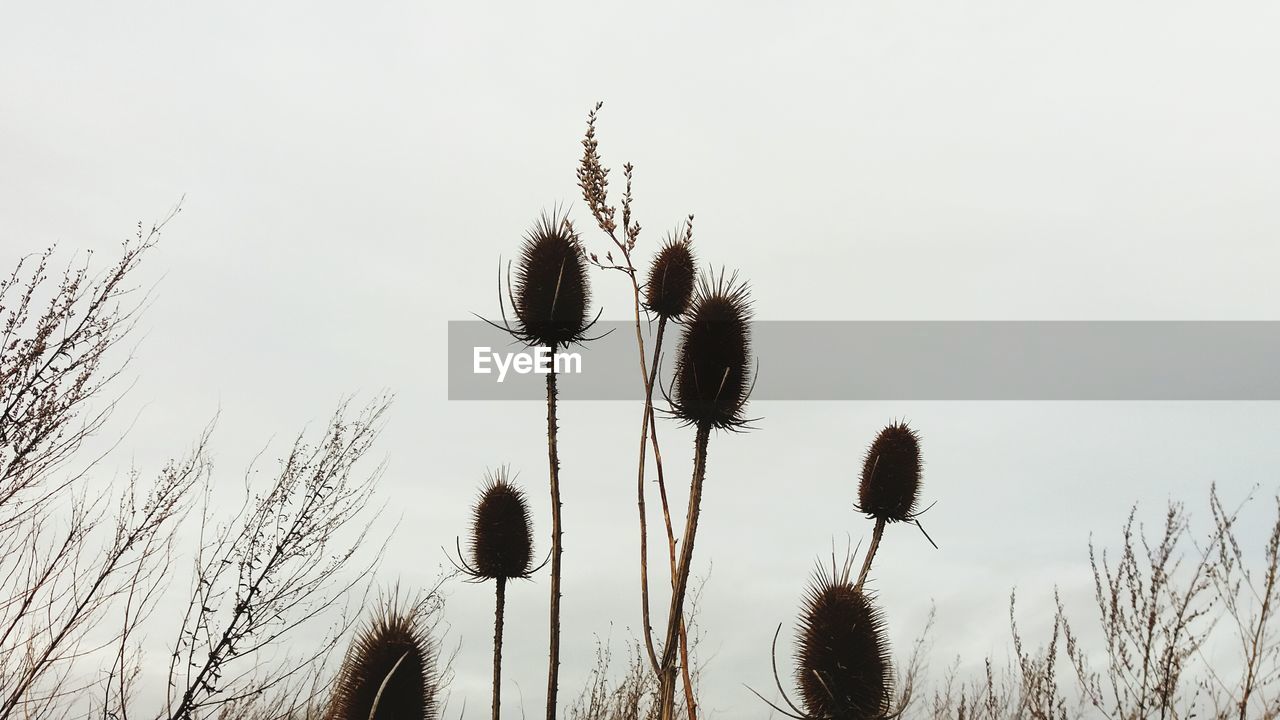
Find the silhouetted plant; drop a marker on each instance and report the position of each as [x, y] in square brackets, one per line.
[551, 297]
[843, 668]
[669, 289]
[890, 487]
[711, 386]
[551, 293]
[66, 556]
[668, 292]
[390, 671]
[713, 373]
[501, 531]
[501, 550]
[1172, 609]
[889, 490]
[280, 566]
[633, 694]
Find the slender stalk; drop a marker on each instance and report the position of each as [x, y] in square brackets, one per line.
[871, 553]
[676, 612]
[690, 703]
[497, 645]
[640, 503]
[652, 422]
[553, 459]
[651, 426]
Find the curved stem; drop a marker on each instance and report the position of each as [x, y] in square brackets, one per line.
[871, 553]
[640, 503]
[690, 703]
[676, 612]
[497, 645]
[553, 460]
[651, 426]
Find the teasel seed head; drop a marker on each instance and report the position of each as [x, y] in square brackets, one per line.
[501, 531]
[843, 666]
[669, 290]
[713, 374]
[890, 485]
[392, 662]
[551, 294]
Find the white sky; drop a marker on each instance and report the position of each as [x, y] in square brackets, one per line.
[353, 174]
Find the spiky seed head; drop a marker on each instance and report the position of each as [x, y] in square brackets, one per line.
[501, 531]
[392, 655]
[551, 293]
[890, 485]
[713, 372]
[669, 290]
[843, 668]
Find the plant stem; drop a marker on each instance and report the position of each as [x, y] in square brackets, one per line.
[553, 459]
[651, 427]
[644, 525]
[871, 553]
[690, 703]
[676, 613]
[497, 645]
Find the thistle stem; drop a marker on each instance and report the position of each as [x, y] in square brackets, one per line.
[651, 426]
[553, 459]
[690, 703]
[871, 553]
[676, 612]
[640, 503]
[497, 644]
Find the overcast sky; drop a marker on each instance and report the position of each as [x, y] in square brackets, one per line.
[352, 174]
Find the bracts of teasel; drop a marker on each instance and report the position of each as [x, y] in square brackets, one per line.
[501, 550]
[669, 290]
[889, 489]
[551, 298]
[501, 531]
[713, 372]
[551, 294]
[843, 668]
[712, 384]
[389, 671]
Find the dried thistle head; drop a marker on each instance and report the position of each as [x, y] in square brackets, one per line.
[390, 671]
[669, 289]
[843, 668]
[713, 374]
[551, 294]
[501, 531]
[890, 485]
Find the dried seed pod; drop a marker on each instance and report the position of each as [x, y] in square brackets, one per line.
[501, 531]
[391, 662]
[712, 374]
[551, 293]
[669, 290]
[843, 668]
[890, 485]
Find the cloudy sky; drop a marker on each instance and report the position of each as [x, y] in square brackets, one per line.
[353, 173]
